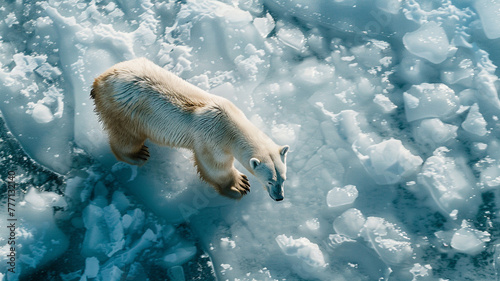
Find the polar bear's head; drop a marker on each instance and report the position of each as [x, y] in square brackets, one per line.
[270, 170]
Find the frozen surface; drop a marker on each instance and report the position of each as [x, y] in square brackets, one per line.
[391, 110]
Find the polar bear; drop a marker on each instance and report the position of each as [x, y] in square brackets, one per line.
[138, 100]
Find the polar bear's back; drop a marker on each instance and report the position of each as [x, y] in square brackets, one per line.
[142, 79]
[140, 97]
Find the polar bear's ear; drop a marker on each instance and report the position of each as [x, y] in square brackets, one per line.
[254, 162]
[284, 150]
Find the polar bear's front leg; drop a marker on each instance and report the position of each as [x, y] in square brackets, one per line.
[216, 168]
[237, 185]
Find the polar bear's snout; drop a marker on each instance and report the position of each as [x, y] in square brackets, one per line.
[278, 194]
[276, 190]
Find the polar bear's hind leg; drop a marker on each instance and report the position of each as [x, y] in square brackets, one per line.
[129, 149]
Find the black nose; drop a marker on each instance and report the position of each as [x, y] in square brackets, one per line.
[279, 199]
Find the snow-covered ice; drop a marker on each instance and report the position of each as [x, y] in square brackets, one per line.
[390, 107]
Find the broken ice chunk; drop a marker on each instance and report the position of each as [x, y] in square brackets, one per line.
[430, 100]
[305, 256]
[434, 132]
[389, 6]
[179, 254]
[391, 244]
[292, 37]
[385, 103]
[47, 71]
[44, 200]
[176, 273]
[339, 196]
[264, 25]
[491, 176]
[429, 42]
[112, 273]
[449, 181]
[469, 240]
[421, 272]
[349, 223]
[461, 72]
[387, 162]
[91, 267]
[41, 113]
[348, 125]
[312, 72]
[120, 201]
[475, 123]
[489, 13]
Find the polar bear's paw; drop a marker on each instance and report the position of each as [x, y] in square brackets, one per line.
[239, 187]
[141, 157]
[242, 185]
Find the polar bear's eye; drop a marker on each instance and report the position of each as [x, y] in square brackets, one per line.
[270, 183]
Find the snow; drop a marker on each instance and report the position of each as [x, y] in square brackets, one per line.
[390, 108]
